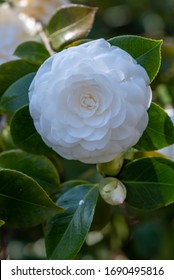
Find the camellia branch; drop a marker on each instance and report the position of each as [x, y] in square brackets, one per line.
[44, 38]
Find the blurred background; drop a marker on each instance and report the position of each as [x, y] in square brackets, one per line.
[119, 232]
[118, 17]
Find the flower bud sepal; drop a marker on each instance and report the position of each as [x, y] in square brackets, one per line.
[111, 168]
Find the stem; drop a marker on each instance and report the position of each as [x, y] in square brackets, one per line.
[44, 38]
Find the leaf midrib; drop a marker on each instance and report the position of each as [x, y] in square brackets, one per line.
[144, 54]
[69, 225]
[56, 33]
[25, 201]
[147, 183]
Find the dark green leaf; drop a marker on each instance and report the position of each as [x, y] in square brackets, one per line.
[16, 95]
[12, 71]
[23, 203]
[1, 223]
[159, 132]
[66, 186]
[73, 169]
[149, 182]
[66, 233]
[146, 51]
[70, 23]
[39, 168]
[6, 142]
[33, 52]
[24, 133]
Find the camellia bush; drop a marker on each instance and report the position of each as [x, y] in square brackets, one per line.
[81, 109]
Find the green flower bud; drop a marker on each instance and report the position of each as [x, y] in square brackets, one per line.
[112, 191]
[111, 168]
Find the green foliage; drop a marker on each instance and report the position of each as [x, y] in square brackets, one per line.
[1, 223]
[31, 173]
[39, 168]
[70, 23]
[149, 182]
[144, 50]
[67, 185]
[159, 132]
[32, 52]
[11, 71]
[65, 233]
[16, 95]
[23, 201]
[24, 133]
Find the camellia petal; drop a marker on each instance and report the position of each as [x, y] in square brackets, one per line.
[94, 110]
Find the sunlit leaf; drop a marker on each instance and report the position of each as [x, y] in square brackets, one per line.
[141, 154]
[71, 22]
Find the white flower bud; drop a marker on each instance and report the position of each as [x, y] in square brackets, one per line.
[89, 102]
[112, 191]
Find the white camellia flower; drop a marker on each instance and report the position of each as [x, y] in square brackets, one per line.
[89, 102]
[14, 30]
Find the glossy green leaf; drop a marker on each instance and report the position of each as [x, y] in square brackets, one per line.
[12, 71]
[71, 22]
[68, 185]
[24, 133]
[146, 51]
[1, 223]
[33, 52]
[16, 96]
[23, 202]
[149, 182]
[159, 132]
[40, 168]
[77, 43]
[66, 232]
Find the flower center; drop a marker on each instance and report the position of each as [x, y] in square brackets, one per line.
[88, 102]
